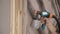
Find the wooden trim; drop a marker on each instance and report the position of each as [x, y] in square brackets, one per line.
[16, 17]
[12, 19]
[24, 16]
[20, 17]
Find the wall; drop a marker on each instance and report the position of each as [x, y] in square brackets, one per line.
[4, 16]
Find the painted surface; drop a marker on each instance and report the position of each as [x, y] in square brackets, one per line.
[4, 16]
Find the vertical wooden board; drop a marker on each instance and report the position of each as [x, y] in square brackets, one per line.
[24, 16]
[16, 17]
[12, 17]
[20, 17]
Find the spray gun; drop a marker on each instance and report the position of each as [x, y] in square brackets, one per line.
[46, 14]
[43, 14]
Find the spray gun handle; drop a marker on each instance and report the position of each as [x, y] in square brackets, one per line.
[43, 25]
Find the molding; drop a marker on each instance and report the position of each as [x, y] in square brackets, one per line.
[12, 17]
[16, 17]
[24, 9]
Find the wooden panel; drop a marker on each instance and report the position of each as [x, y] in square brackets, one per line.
[12, 17]
[16, 17]
[20, 17]
[24, 16]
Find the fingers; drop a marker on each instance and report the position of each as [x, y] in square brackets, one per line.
[35, 12]
[50, 25]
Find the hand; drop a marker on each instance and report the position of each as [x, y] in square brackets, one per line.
[50, 26]
[35, 12]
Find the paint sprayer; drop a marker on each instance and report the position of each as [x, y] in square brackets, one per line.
[46, 14]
